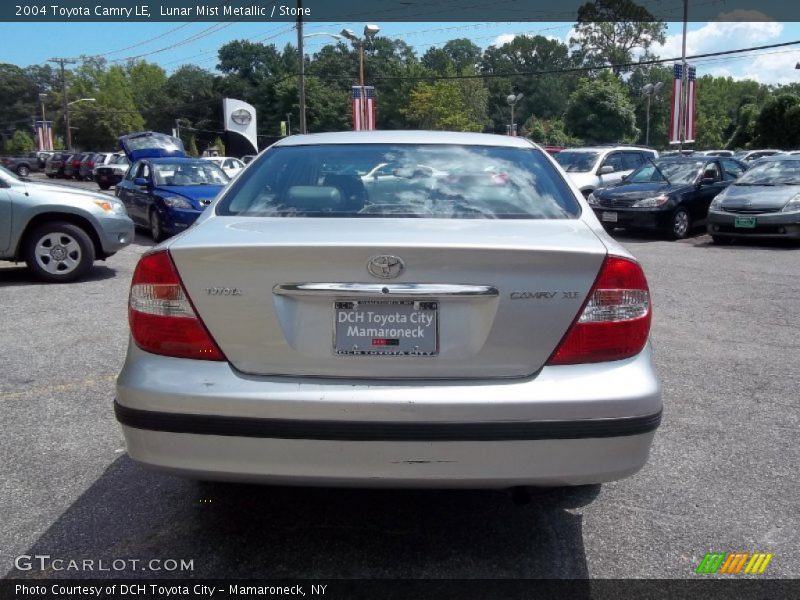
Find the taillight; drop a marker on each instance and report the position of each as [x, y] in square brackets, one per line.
[162, 318]
[615, 319]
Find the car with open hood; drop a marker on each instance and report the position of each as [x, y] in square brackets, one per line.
[474, 328]
[59, 231]
[762, 203]
[164, 189]
[668, 194]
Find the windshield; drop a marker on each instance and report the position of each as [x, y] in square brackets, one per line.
[674, 171]
[425, 181]
[772, 172]
[576, 162]
[200, 172]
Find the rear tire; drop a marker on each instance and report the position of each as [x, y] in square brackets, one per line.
[58, 252]
[23, 171]
[681, 224]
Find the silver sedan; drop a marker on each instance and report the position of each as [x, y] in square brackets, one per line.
[467, 324]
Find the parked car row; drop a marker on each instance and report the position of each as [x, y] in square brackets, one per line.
[79, 166]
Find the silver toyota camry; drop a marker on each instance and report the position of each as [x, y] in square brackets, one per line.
[455, 318]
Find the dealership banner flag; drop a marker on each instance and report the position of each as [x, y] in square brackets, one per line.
[684, 104]
[364, 119]
[691, 104]
[44, 135]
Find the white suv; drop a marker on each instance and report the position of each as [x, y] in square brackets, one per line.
[592, 168]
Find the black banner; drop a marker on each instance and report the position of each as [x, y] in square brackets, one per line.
[374, 10]
[389, 589]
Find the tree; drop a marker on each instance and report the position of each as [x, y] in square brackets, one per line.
[219, 145]
[599, 111]
[776, 125]
[18, 97]
[148, 85]
[609, 31]
[20, 143]
[113, 114]
[745, 126]
[327, 105]
[544, 95]
[191, 148]
[440, 106]
[548, 132]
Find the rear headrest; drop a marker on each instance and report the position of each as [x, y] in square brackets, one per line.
[313, 198]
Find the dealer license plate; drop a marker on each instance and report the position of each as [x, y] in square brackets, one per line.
[386, 327]
[745, 222]
[609, 217]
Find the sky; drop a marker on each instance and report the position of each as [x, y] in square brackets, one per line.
[196, 43]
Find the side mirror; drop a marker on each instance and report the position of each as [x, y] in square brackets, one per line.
[624, 177]
[708, 181]
[140, 182]
[605, 170]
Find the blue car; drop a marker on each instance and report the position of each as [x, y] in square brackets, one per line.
[165, 190]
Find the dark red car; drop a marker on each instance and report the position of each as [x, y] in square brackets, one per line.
[72, 166]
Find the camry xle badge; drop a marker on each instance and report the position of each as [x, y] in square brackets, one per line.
[385, 266]
[542, 295]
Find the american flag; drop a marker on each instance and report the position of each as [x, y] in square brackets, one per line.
[362, 122]
[683, 105]
[44, 134]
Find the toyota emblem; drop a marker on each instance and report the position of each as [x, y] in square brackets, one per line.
[386, 266]
[241, 116]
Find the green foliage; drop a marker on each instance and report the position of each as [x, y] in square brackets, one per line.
[20, 143]
[191, 147]
[608, 32]
[440, 106]
[549, 132]
[599, 111]
[98, 125]
[219, 145]
[776, 125]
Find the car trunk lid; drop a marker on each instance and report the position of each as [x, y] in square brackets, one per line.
[496, 296]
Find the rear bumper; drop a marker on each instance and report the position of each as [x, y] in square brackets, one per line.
[567, 426]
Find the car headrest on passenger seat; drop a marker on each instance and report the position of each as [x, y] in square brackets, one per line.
[313, 198]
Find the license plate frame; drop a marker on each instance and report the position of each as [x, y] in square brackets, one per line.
[609, 217]
[390, 328]
[744, 222]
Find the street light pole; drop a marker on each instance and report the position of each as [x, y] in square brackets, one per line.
[512, 100]
[62, 62]
[370, 31]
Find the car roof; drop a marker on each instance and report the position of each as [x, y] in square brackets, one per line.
[406, 137]
[779, 157]
[174, 159]
[608, 148]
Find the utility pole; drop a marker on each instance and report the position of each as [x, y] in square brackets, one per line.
[62, 62]
[288, 123]
[301, 52]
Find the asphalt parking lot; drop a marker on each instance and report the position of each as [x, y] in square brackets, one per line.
[722, 474]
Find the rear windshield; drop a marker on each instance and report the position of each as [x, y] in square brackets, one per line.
[401, 180]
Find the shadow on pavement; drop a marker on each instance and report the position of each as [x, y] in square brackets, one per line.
[233, 530]
[21, 275]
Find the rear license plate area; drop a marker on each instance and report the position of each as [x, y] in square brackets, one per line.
[386, 327]
[609, 217]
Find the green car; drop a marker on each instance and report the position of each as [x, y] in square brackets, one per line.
[59, 231]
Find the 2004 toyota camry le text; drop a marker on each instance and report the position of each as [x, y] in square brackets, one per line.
[456, 318]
